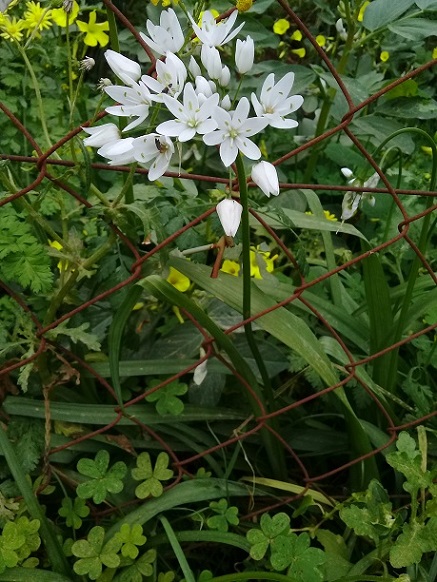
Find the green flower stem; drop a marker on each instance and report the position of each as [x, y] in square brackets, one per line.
[37, 95]
[75, 96]
[127, 188]
[65, 289]
[245, 231]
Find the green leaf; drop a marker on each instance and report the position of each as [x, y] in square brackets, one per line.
[295, 552]
[11, 540]
[130, 537]
[93, 554]
[29, 530]
[408, 461]
[73, 511]
[379, 13]
[414, 28]
[153, 476]
[76, 334]
[410, 545]
[103, 481]
[281, 323]
[427, 4]
[166, 398]
[142, 567]
[225, 515]
[271, 528]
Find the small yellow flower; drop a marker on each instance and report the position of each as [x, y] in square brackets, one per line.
[384, 56]
[255, 256]
[427, 150]
[231, 267]
[59, 15]
[36, 17]
[138, 306]
[178, 280]
[11, 29]
[281, 26]
[434, 53]
[321, 40]
[244, 5]
[297, 35]
[62, 265]
[301, 52]
[327, 214]
[94, 31]
[362, 10]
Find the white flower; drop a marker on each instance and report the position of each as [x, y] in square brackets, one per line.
[205, 87]
[201, 371]
[212, 33]
[226, 103]
[126, 70]
[171, 75]
[101, 135]
[120, 152]
[244, 55]
[211, 60]
[134, 101]
[352, 200]
[191, 117]
[265, 176]
[167, 37]
[87, 64]
[274, 102]
[233, 130]
[154, 147]
[229, 213]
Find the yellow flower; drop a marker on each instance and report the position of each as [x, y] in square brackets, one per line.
[301, 52]
[12, 28]
[165, 3]
[384, 56]
[231, 267]
[244, 5]
[36, 17]
[178, 280]
[255, 256]
[281, 26]
[62, 265]
[427, 150]
[94, 31]
[297, 35]
[59, 15]
[327, 214]
[362, 10]
[434, 53]
[321, 40]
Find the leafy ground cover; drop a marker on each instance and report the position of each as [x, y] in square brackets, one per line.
[218, 299]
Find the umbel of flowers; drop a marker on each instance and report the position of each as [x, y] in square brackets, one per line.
[191, 89]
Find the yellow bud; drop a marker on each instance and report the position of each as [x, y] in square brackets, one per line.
[321, 40]
[434, 53]
[297, 35]
[299, 52]
[362, 11]
[384, 56]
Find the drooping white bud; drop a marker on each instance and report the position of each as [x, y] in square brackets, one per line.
[229, 212]
[265, 176]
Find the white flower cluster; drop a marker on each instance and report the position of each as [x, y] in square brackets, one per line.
[195, 96]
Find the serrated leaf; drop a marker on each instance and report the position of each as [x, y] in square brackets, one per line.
[76, 334]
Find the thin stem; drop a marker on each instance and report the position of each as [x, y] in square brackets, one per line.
[37, 95]
[245, 232]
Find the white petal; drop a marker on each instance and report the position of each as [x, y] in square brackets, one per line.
[228, 152]
[172, 128]
[248, 148]
[125, 69]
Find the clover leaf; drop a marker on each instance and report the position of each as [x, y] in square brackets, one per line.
[153, 476]
[166, 398]
[103, 481]
[271, 528]
[130, 538]
[139, 569]
[93, 554]
[29, 530]
[226, 515]
[73, 511]
[11, 540]
[295, 552]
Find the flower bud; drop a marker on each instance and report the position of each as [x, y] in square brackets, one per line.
[101, 135]
[265, 176]
[225, 77]
[244, 55]
[229, 212]
[211, 61]
[128, 71]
